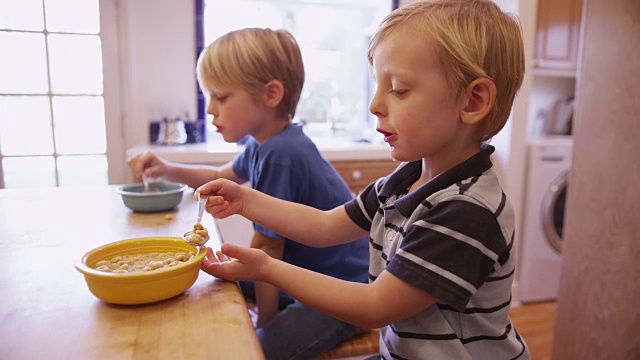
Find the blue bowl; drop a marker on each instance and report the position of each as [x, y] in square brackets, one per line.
[160, 197]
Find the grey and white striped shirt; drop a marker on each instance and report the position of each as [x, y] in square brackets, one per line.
[453, 238]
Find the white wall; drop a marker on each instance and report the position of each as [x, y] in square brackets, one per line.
[158, 63]
[515, 185]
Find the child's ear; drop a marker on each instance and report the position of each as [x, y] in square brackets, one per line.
[273, 93]
[479, 97]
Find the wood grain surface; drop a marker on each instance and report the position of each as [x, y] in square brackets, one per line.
[47, 311]
[598, 315]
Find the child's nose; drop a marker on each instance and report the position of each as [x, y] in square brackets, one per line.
[212, 109]
[375, 106]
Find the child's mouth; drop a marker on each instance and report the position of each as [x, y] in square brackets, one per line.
[388, 137]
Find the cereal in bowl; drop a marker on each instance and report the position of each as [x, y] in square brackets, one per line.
[143, 262]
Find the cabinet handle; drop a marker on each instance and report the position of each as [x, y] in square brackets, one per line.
[356, 175]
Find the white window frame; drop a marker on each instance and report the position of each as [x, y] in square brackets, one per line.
[112, 29]
[110, 39]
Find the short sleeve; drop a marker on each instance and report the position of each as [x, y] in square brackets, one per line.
[450, 251]
[241, 163]
[279, 181]
[363, 207]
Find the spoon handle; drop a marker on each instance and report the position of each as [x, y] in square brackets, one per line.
[201, 203]
[145, 182]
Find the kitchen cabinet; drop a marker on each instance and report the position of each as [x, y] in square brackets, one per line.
[555, 61]
[558, 35]
[359, 174]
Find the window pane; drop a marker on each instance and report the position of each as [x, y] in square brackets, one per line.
[79, 124]
[227, 17]
[333, 37]
[23, 63]
[83, 170]
[29, 172]
[334, 47]
[21, 15]
[25, 125]
[78, 16]
[75, 64]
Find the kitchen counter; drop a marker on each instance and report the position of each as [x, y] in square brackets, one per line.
[219, 152]
[47, 310]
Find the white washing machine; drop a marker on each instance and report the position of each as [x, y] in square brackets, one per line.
[549, 163]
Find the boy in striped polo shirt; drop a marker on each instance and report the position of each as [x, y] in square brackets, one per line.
[441, 229]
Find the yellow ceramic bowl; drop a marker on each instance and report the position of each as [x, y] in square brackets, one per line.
[140, 287]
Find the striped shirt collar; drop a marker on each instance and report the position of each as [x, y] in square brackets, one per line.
[401, 180]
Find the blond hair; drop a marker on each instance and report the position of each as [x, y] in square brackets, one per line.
[475, 39]
[250, 58]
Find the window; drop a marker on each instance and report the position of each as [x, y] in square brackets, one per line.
[333, 36]
[52, 119]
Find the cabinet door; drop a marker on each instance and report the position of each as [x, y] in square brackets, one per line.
[359, 174]
[558, 34]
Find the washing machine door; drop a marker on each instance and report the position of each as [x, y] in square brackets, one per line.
[553, 211]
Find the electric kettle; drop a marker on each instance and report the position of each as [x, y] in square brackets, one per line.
[172, 132]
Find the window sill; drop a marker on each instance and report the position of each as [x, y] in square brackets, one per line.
[219, 152]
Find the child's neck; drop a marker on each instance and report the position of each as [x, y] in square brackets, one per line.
[270, 129]
[432, 167]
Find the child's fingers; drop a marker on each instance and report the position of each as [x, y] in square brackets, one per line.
[214, 257]
[231, 251]
[135, 166]
[222, 257]
[209, 258]
[210, 188]
[207, 263]
[218, 207]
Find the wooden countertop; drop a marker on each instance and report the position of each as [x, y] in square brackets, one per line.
[47, 311]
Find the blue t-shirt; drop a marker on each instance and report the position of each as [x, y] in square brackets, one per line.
[289, 166]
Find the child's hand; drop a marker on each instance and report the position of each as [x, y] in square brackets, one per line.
[148, 163]
[235, 263]
[225, 197]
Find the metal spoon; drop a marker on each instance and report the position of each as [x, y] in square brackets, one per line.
[145, 182]
[198, 236]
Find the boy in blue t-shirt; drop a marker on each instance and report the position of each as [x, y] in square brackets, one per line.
[254, 78]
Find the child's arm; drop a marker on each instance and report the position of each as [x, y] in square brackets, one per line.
[193, 175]
[196, 175]
[382, 302]
[298, 222]
[267, 296]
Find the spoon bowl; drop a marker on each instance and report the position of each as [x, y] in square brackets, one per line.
[198, 236]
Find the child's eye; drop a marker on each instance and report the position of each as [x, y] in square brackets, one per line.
[217, 97]
[398, 92]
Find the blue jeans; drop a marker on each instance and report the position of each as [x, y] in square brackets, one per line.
[299, 332]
